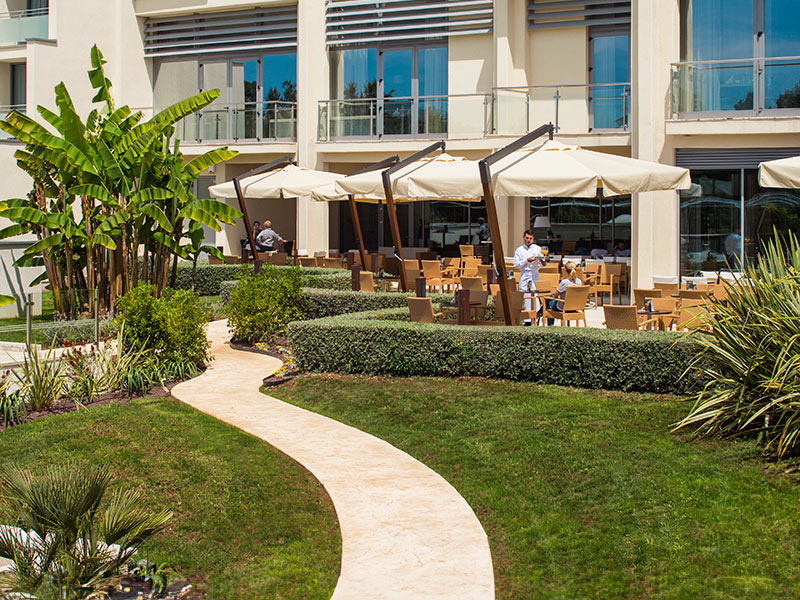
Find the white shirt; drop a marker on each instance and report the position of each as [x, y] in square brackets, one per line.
[530, 270]
[732, 244]
[268, 237]
[565, 283]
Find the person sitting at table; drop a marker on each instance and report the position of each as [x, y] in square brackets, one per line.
[268, 238]
[256, 231]
[621, 251]
[561, 290]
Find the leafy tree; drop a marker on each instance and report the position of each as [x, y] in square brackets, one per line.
[105, 189]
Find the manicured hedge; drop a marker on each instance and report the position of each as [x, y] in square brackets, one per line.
[211, 280]
[329, 303]
[377, 343]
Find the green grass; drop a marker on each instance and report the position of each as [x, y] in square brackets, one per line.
[587, 494]
[248, 520]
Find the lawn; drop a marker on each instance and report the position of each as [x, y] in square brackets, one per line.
[248, 520]
[587, 494]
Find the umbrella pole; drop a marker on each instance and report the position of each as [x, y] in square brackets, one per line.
[357, 226]
[246, 218]
[491, 209]
[390, 205]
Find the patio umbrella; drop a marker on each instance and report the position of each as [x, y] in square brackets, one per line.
[287, 182]
[782, 173]
[552, 169]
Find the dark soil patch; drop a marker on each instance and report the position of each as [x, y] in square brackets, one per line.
[273, 351]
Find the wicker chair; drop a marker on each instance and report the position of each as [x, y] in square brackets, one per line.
[432, 272]
[332, 263]
[473, 284]
[573, 306]
[625, 317]
[421, 310]
[610, 277]
[365, 282]
[307, 261]
[640, 295]
[466, 250]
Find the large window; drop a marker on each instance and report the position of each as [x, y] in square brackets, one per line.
[610, 77]
[257, 97]
[727, 218]
[743, 55]
[388, 91]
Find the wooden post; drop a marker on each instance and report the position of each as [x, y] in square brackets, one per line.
[349, 260]
[374, 262]
[462, 297]
[355, 278]
[257, 266]
[357, 227]
[422, 287]
[395, 227]
[248, 227]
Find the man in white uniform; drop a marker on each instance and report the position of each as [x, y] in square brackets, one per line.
[529, 259]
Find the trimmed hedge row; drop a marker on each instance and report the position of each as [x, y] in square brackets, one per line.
[329, 303]
[211, 280]
[377, 343]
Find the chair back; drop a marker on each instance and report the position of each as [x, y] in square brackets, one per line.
[575, 298]
[431, 269]
[483, 272]
[469, 266]
[231, 260]
[412, 272]
[452, 262]
[421, 309]
[719, 291]
[697, 294]
[332, 263]
[307, 261]
[550, 269]
[544, 285]
[280, 258]
[592, 268]
[473, 284]
[642, 294]
[334, 252]
[666, 288]
[664, 304]
[609, 270]
[621, 317]
[466, 250]
[366, 283]
[213, 260]
[692, 317]
[517, 300]
[478, 296]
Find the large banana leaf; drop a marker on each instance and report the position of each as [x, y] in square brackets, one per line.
[216, 208]
[98, 192]
[73, 154]
[111, 166]
[104, 240]
[151, 194]
[52, 118]
[155, 213]
[98, 79]
[6, 300]
[213, 157]
[14, 230]
[24, 213]
[45, 243]
[74, 130]
[113, 221]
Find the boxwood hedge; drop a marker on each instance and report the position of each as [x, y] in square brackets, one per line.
[378, 342]
[328, 303]
[216, 280]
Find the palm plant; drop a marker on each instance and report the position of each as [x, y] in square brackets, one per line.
[750, 354]
[104, 187]
[68, 543]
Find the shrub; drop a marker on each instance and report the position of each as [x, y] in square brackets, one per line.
[322, 279]
[172, 326]
[751, 354]
[329, 303]
[377, 343]
[41, 379]
[66, 545]
[261, 305]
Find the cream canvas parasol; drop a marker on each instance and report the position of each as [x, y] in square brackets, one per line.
[781, 173]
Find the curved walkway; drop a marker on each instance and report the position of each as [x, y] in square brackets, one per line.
[406, 532]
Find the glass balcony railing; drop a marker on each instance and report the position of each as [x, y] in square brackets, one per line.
[579, 108]
[731, 88]
[456, 116]
[4, 112]
[273, 121]
[21, 25]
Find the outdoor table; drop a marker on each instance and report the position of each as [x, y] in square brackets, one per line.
[654, 313]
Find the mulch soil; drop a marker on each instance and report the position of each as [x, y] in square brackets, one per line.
[272, 350]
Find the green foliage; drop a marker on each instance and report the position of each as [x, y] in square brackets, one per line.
[12, 406]
[41, 378]
[172, 327]
[329, 303]
[379, 343]
[261, 305]
[157, 575]
[67, 545]
[751, 355]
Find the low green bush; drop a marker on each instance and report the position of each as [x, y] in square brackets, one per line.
[378, 342]
[310, 277]
[208, 277]
[171, 326]
[261, 305]
[329, 303]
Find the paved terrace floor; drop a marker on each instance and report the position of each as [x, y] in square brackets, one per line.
[406, 533]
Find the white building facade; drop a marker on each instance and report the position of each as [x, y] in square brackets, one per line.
[712, 85]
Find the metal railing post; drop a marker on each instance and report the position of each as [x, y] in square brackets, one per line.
[29, 320]
[527, 112]
[557, 97]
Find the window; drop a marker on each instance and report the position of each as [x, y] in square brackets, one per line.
[18, 83]
[257, 95]
[389, 91]
[746, 55]
[610, 76]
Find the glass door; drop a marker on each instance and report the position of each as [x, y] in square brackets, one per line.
[396, 91]
[610, 73]
[244, 99]
[215, 118]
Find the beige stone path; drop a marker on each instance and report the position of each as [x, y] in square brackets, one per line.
[406, 532]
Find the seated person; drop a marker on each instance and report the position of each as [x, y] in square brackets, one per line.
[599, 252]
[256, 231]
[561, 290]
[620, 250]
[268, 238]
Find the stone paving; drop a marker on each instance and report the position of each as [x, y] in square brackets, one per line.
[406, 533]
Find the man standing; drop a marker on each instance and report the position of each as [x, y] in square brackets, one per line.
[733, 246]
[529, 259]
[268, 238]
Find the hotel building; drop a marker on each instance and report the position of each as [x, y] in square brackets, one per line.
[711, 85]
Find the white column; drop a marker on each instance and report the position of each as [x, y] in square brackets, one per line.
[655, 42]
[312, 81]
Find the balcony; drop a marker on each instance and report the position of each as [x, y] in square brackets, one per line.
[463, 116]
[573, 109]
[273, 121]
[21, 25]
[736, 88]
